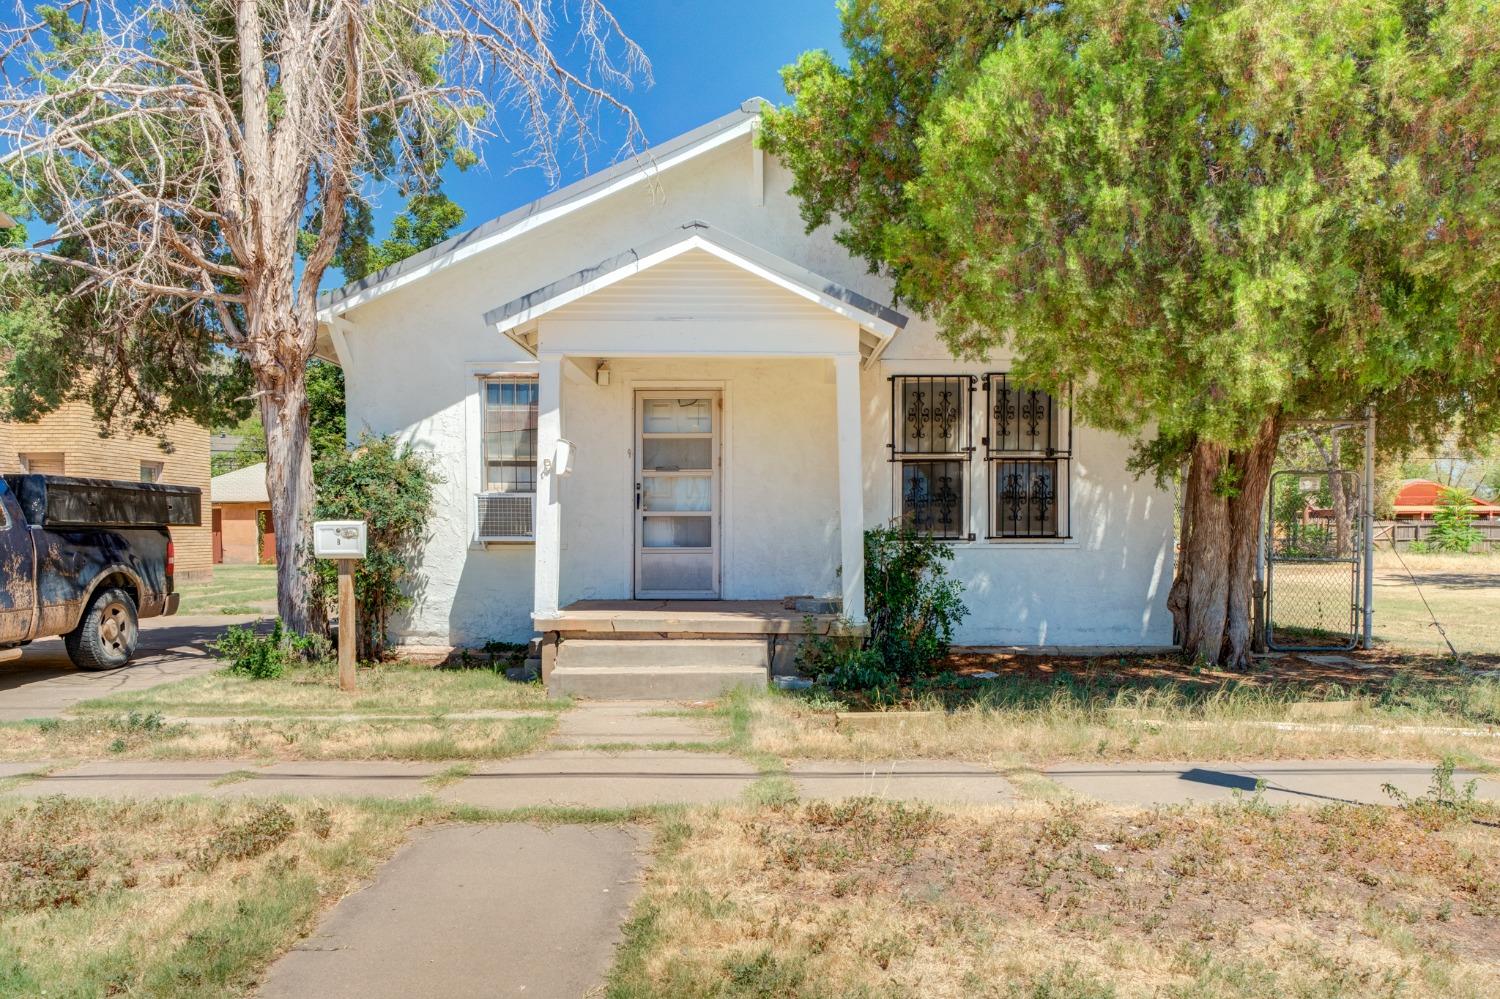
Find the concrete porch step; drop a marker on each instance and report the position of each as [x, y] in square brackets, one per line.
[671, 668]
[675, 683]
[664, 652]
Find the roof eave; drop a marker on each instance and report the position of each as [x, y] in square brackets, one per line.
[568, 199]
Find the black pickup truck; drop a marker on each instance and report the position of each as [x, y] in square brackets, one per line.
[87, 559]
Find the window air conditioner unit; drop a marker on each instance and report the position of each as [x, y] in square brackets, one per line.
[506, 517]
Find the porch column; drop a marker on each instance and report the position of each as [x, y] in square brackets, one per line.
[548, 508]
[851, 486]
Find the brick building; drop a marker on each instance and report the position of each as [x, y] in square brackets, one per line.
[67, 442]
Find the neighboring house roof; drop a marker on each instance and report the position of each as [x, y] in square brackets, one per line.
[243, 485]
[555, 205]
[1421, 496]
[514, 317]
[224, 443]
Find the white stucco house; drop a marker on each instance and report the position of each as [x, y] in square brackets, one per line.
[661, 408]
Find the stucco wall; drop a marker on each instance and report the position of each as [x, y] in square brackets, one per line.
[412, 365]
[780, 494]
[72, 431]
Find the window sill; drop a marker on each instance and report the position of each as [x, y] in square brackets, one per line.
[988, 544]
[476, 546]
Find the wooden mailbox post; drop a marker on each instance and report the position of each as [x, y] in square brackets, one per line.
[344, 541]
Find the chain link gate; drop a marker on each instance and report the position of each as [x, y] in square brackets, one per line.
[1314, 545]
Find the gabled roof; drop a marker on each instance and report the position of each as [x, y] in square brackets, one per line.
[555, 205]
[880, 321]
[243, 485]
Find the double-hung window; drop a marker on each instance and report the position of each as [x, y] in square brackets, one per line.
[510, 408]
[1028, 447]
[506, 503]
[931, 444]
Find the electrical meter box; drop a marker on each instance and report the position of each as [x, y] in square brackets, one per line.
[339, 539]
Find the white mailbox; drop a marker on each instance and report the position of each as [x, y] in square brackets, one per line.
[339, 539]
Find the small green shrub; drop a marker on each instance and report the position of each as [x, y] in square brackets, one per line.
[1444, 801]
[48, 876]
[265, 828]
[912, 608]
[388, 485]
[269, 656]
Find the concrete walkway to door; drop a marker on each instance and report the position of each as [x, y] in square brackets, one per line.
[475, 911]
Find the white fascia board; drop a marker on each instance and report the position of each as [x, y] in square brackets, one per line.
[517, 316]
[464, 251]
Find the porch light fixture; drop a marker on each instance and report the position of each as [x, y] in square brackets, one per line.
[601, 373]
[562, 458]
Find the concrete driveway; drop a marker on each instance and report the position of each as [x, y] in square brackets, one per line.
[44, 684]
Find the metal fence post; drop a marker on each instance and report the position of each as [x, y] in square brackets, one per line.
[1369, 588]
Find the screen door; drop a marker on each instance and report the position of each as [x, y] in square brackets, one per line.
[677, 495]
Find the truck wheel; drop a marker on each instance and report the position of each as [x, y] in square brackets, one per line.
[107, 633]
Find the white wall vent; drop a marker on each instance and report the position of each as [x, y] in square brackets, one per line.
[506, 517]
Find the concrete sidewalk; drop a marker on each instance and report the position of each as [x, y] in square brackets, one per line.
[575, 778]
[1285, 782]
[44, 684]
[471, 911]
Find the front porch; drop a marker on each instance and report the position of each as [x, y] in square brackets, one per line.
[699, 454]
[676, 648]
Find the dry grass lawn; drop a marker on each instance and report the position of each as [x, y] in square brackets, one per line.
[1026, 721]
[1463, 591]
[866, 898]
[386, 689]
[181, 897]
[284, 739]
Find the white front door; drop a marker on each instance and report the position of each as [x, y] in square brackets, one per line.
[677, 495]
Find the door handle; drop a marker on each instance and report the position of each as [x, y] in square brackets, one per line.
[637, 495]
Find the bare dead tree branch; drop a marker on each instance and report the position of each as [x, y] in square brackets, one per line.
[185, 152]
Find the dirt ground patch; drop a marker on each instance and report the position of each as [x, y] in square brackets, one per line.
[874, 898]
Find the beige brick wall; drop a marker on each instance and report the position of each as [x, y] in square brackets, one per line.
[72, 432]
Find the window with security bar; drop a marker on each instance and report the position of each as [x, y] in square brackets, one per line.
[510, 418]
[1029, 450]
[932, 443]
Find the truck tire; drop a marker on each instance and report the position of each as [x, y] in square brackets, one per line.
[107, 633]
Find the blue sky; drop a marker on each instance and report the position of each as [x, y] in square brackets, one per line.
[706, 57]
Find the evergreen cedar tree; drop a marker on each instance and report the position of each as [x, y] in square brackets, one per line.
[1206, 219]
[204, 164]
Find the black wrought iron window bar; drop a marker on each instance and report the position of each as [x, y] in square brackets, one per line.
[932, 440]
[1029, 447]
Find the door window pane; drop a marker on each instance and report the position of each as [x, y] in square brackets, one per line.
[676, 492]
[678, 416]
[677, 532]
[672, 454]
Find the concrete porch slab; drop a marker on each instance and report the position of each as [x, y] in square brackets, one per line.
[685, 617]
[932, 781]
[132, 779]
[471, 911]
[570, 778]
[335, 778]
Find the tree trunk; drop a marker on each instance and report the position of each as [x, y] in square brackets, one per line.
[1254, 467]
[1202, 601]
[1212, 596]
[282, 384]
